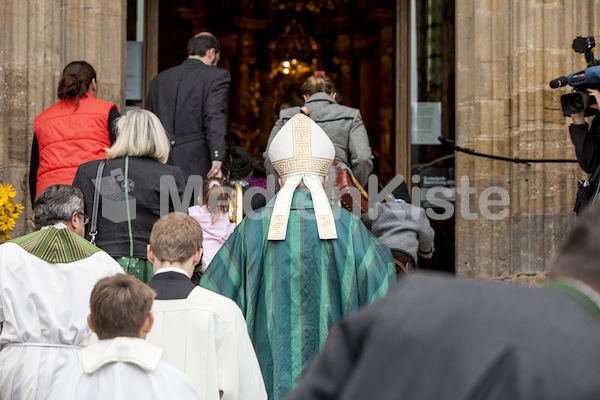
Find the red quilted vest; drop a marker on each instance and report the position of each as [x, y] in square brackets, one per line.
[68, 138]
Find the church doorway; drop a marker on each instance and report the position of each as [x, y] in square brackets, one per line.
[370, 48]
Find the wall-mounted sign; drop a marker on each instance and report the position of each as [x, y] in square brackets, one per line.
[426, 123]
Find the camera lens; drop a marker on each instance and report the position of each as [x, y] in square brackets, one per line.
[576, 103]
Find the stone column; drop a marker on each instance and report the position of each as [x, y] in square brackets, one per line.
[506, 53]
[38, 39]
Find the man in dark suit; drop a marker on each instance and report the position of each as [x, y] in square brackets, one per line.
[190, 101]
[201, 332]
[434, 337]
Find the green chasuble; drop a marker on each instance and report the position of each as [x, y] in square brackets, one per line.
[56, 245]
[293, 291]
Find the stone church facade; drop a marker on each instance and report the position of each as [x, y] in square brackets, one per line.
[505, 55]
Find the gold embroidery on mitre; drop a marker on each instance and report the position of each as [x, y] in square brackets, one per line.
[326, 227]
[323, 213]
[281, 209]
[302, 159]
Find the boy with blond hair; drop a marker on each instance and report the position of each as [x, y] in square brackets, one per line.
[202, 333]
[122, 365]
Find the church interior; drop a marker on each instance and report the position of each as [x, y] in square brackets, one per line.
[271, 47]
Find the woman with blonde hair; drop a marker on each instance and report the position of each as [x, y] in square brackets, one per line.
[212, 215]
[130, 186]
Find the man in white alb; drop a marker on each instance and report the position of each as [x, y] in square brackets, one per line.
[46, 279]
[202, 333]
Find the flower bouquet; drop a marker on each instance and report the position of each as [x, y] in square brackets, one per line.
[9, 210]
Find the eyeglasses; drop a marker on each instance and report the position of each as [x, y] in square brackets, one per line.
[86, 219]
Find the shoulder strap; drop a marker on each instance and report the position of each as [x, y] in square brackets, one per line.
[126, 188]
[94, 222]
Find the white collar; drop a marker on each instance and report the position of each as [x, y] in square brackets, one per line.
[58, 225]
[171, 269]
[121, 349]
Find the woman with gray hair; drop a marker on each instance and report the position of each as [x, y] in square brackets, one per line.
[130, 187]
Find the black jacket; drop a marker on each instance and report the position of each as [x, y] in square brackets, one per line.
[190, 101]
[171, 286]
[587, 144]
[433, 337]
[144, 175]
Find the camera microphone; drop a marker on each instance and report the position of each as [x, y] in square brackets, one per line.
[558, 82]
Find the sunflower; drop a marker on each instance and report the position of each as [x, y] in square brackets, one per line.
[7, 192]
[9, 210]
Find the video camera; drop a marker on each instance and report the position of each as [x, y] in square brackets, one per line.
[580, 100]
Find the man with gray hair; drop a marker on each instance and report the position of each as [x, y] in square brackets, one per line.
[46, 279]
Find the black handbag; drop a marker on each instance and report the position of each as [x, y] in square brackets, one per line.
[588, 191]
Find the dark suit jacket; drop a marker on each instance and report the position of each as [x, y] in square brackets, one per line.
[171, 286]
[434, 337]
[190, 101]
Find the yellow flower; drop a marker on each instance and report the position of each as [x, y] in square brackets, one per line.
[4, 225]
[9, 211]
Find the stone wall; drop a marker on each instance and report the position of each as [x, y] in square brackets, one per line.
[38, 38]
[506, 54]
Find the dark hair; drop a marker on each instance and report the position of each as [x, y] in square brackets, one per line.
[258, 166]
[318, 83]
[75, 81]
[289, 101]
[579, 255]
[175, 237]
[237, 163]
[201, 43]
[56, 203]
[119, 306]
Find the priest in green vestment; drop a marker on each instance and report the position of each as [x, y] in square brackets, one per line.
[301, 264]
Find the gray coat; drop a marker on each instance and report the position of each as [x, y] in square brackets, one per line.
[345, 128]
[402, 226]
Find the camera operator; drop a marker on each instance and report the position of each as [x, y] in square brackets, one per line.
[587, 149]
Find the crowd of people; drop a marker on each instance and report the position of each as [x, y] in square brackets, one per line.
[114, 296]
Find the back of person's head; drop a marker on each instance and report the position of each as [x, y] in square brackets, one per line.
[119, 306]
[176, 237]
[201, 43]
[237, 164]
[75, 81]
[56, 203]
[579, 255]
[318, 83]
[258, 166]
[215, 197]
[288, 102]
[140, 134]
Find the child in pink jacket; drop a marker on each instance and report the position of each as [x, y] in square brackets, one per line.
[213, 218]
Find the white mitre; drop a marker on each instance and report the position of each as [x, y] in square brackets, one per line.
[301, 150]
